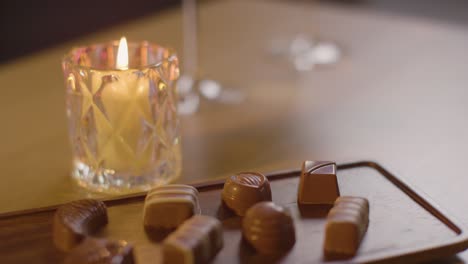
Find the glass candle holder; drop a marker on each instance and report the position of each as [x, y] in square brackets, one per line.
[123, 122]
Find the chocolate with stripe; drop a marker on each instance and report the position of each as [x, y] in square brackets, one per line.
[168, 206]
[318, 184]
[197, 240]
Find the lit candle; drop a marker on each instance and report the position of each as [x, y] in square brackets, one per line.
[128, 128]
[125, 106]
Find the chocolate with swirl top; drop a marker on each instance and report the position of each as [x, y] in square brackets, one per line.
[269, 228]
[76, 220]
[101, 251]
[243, 190]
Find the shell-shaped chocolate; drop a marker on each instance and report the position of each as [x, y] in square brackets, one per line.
[269, 228]
[243, 190]
[101, 251]
[75, 220]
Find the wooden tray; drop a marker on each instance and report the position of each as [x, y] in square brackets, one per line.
[404, 225]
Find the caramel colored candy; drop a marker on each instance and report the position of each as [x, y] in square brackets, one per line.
[245, 189]
[197, 240]
[74, 221]
[101, 251]
[168, 206]
[269, 228]
[318, 184]
[346, 225]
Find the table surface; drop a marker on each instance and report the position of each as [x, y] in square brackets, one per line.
[397, 96]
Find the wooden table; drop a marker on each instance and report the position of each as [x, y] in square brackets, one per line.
[397, 96]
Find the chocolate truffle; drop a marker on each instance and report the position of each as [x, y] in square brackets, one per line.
[74, 221]
[269, 228]
[101, 251]
[197, 240]
[245, 189]
[168, 206]
[346, 225]
[318, 184]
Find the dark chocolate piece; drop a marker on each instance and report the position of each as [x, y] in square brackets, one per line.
[269, 228]
[243, 190]
[168, 206]
[101, 251]
[76, 220]
[318, 184]
[197, 240]
[346, 225]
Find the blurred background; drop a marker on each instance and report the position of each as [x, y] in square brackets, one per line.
[27, 26]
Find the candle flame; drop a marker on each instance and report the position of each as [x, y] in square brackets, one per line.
[122, 55]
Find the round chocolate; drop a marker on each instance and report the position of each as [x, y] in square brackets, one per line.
[269, 228]
[243, 190]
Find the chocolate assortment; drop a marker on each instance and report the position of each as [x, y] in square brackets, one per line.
[346, 225]
[197, 240]
[193, 238]
[269, 228]
[318, 184]
[101, 251]
[243, 190]
[166, 207]
[74, 221]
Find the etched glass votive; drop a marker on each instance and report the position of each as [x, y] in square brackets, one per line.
[123, 121]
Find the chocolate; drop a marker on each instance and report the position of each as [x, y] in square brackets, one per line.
[245, 189]
[318, 184]
[346, 225]
[76, 220]
[101, 251]
[168, 206]
[269, 228]
[197, 240]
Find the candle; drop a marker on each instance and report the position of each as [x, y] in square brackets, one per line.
[123, 116]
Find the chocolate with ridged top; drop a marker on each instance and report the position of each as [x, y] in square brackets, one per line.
[269, 228]
[318, 184]
[76, 220]
[101, 251]
[346, 225]
[243, 190]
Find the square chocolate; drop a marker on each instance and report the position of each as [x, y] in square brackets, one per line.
[318, 184]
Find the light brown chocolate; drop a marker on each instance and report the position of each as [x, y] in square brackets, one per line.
[76, 220]
[269, 228]
[197, 240]
[101, 251]
[243, 190]
[168, 206]
[318, 184]
[346, 225]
